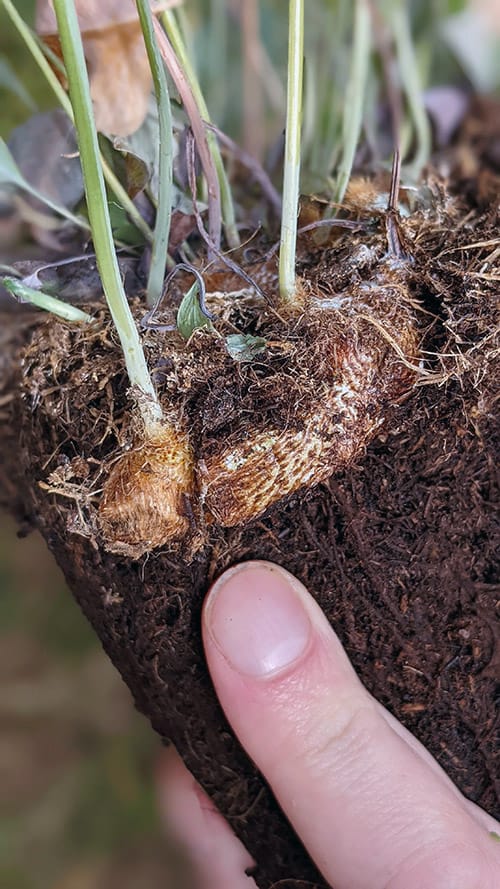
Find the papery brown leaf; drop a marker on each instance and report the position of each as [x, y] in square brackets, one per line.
[120, 78]
[181, 226]
[95, 15]
[119, 73]
[131, 168]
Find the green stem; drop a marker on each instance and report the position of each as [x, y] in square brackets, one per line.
[410, 76]
[114, 184]
[354, 98]
[102, 236]
[183, 86]
[291, 178]
[174, 34]
[165, 189]
[42, 300]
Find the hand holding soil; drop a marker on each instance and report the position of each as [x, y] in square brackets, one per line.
[370, 804]
[321, 397]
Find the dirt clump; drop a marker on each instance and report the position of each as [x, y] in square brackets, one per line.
[351, 440]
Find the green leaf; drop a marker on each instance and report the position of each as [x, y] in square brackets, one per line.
[124, 231]
[50, 76]
[189, 315]
[244, 346]
[165, 175]
[26, 294]
[97, 207]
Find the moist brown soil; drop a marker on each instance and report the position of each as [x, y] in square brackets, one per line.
[398, 543]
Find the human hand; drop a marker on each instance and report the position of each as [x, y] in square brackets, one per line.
[370, 804]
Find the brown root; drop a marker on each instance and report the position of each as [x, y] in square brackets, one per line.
[146, 498]
[350, 357]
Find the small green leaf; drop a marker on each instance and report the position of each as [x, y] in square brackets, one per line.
[495, 836]
[189, 315]
[124, 230]
[26, 294]
[244, 346]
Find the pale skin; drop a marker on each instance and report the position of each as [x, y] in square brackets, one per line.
[370, 804]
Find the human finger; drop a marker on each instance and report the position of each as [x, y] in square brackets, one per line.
[373, 809]
[217, 857]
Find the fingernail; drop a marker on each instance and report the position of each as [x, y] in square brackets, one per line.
[257, 620]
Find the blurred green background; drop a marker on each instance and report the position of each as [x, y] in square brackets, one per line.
[77, 806]
[16, 64]
[76, 797]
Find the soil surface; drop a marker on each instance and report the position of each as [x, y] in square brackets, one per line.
[398, 545]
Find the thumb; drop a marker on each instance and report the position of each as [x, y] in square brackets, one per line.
[370, 804]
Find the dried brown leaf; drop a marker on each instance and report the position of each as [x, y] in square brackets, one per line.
[95, 15]
[119, 73]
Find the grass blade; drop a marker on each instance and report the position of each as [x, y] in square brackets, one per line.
[174, 35]
[34, 48]
[400, 23]
[25, 294]
[191, 107]
[165, 189]
[291, 178]
[354, 98]
[71, 43]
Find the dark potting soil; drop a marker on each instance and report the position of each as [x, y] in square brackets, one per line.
[399, 546]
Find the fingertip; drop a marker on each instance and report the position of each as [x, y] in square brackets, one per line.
[261, 620]
[300, 711]
[217, 856]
